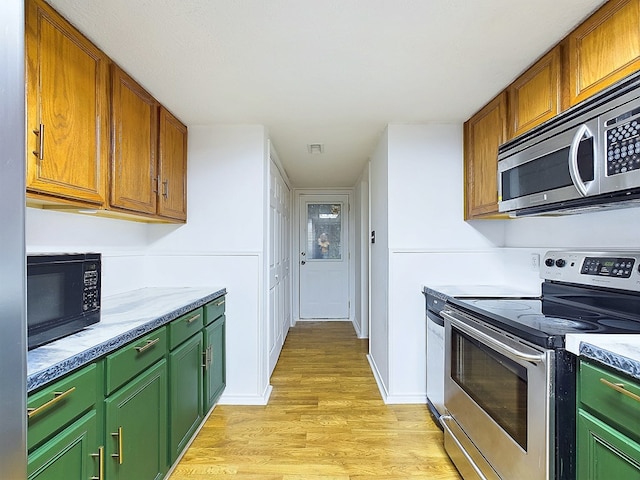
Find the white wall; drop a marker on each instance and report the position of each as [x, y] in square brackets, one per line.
[361, 263]
[429, 243]
[593, 230]
[222, 244]
[379, 265]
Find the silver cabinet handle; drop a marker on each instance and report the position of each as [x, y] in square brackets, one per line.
[165, 189]
[573, 159]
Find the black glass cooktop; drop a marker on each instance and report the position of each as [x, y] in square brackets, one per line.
[560, 310]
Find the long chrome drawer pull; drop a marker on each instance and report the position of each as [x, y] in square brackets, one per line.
[119, 454]
[489, 340]
[100, 456]
[220, 303]
[57, 397]
[192, 319]
[443, 421]
[148, 345]
[619, 387]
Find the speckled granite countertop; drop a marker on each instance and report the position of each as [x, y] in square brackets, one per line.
[124, 317]
[620, 352]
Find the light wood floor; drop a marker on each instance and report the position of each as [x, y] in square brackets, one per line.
[325, 420]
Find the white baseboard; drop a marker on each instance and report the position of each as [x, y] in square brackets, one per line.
[376, 375]
[246, 399]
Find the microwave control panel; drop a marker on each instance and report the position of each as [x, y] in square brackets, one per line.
[623, 147]
[91, 293]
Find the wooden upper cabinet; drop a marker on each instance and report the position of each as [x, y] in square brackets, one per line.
[604, 49]
[483, 134]
[172, 167]
[67, 110]
[535, 96]
[135, 140]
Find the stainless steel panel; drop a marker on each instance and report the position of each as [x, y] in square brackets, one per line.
[464, 455]
[570, 272]
[501, 451]
[13, 341]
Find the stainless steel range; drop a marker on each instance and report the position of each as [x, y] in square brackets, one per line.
[509, 383]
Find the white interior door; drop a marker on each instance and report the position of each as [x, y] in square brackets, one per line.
[279, 264]
[324, 256]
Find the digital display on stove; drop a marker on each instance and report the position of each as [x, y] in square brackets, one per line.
[608, 267]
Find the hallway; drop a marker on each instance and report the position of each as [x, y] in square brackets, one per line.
[325, 420]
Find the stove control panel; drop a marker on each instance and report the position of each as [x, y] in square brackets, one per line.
[619, 270]
[608, 267]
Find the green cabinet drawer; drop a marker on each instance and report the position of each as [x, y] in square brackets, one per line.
[213, 310]
[133, 358]
[601, 393]
[59, 404]
[185, 326]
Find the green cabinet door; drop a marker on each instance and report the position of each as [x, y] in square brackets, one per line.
[185, 393]
[69, 455]
[605, 453]
[215, 371]
[136, 427]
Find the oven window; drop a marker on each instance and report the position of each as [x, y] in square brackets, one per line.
[496, 383]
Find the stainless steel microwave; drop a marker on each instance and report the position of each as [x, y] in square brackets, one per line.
[586, 158]
[63, 295]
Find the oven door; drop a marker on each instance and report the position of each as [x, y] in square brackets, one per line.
[560, 168]
[497, 393]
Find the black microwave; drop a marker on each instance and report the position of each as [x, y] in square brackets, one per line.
[63, 295]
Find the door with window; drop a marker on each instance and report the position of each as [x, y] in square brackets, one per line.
[324, 257]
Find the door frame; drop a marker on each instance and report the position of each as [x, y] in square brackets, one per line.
[295, 244]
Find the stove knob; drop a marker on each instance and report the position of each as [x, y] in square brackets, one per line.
[549, 262]
[560, 263]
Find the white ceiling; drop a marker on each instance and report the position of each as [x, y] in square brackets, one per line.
[324, 71]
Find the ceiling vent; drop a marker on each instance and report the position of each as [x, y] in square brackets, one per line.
[315, 148]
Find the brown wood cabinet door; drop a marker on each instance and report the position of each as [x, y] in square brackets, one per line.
[135, 138]
[604, 49]
[535, 96]
[67, 109]
[172, 167]
[483, 133]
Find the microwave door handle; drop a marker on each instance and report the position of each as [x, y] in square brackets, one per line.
[573, 159]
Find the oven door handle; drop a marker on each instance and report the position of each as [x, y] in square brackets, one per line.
[497, 345]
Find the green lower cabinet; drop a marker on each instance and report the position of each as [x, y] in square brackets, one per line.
[215, 371]
[70, 455]
[605, 453]
[185, 393]
[136, 427]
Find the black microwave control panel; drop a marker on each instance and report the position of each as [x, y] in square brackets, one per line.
[608, 266]
[91, 293]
